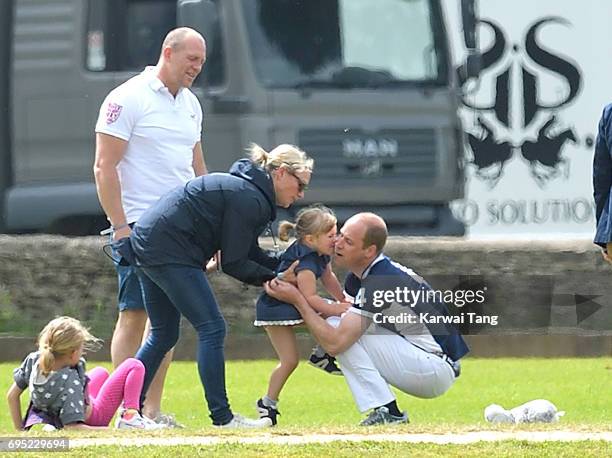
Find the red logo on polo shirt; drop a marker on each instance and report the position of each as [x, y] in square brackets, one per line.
[112, 112]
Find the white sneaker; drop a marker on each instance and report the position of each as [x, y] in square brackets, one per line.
[166, 419]
[242, 422]
[152, 424]
[136, 421]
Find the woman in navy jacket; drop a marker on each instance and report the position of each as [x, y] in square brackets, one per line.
[173, 240]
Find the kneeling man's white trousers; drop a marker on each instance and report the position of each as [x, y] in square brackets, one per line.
[381, 358]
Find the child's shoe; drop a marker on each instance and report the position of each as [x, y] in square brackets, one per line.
[131, 419]
[318, 358]
[266, 412]
[168, 420]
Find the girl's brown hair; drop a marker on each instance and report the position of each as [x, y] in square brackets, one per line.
[313, 220]
[60, 337]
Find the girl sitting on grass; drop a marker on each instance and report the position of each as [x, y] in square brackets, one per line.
[315, 230]
[62, 395]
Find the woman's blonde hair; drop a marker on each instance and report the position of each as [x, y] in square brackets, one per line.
[61, 337]
[287, 156]
[314, 220]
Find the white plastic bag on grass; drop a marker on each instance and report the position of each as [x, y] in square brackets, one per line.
[538, 411]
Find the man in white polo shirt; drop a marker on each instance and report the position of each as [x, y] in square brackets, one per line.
[148, 141]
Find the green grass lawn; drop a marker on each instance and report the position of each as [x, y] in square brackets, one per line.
[321, 402]
[314, 402]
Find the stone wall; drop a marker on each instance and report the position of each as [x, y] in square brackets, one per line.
[44, 276]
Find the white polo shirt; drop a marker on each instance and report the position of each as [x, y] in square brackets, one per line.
[161, 132]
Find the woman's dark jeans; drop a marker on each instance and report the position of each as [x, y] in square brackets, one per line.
[173, 290]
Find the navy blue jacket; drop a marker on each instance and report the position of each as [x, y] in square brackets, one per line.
[386, 275]
[602, 179]
[219, 211]
[309, 260]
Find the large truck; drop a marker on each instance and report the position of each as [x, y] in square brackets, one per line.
[366, 87]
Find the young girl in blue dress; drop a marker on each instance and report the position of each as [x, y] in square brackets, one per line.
[315, 231]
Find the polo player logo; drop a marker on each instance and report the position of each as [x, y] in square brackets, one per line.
[544, 155]
[500, 133]
[490, 154]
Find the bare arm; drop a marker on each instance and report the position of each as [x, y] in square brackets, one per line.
[334, 340]
[109, 152]
[331, 284]
[12, 397]
[307, 284]
[198, 163]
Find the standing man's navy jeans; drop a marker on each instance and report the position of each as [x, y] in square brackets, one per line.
[173, 290]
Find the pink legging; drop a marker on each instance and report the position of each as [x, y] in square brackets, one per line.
[106, 392]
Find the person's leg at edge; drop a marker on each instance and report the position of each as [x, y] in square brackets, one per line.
[165, 327]
[123, 385]
[285, 344]
[153, 397]
[188, 289]
[127, 335]
[131, 332]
